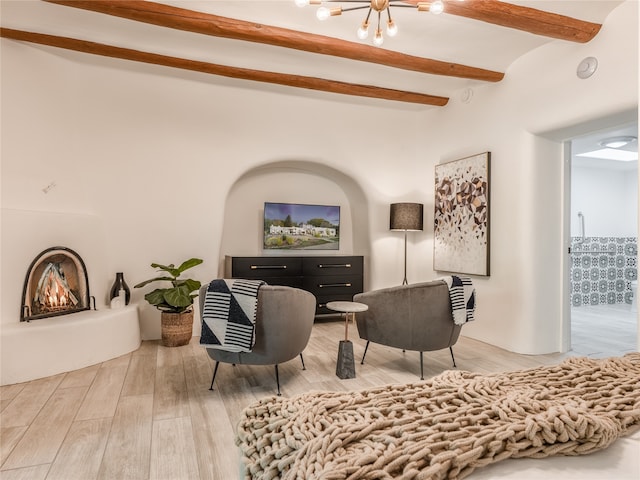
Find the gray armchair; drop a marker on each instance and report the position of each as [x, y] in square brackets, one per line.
[284, 319]
[414, 317]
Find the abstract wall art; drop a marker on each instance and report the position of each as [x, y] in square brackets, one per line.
[461, 220]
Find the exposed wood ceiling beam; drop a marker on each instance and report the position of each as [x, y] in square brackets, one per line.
[523, 18]
[299, 81]
[214, 25]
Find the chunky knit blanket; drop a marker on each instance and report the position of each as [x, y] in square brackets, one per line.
[444, 427]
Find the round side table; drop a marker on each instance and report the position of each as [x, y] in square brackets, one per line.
[345, 366]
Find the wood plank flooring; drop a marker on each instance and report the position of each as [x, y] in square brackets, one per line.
[150, 414]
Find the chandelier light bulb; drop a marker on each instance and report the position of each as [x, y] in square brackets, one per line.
[378, 8]
[392, 28]
[363, 31]
[436, 7]
[323, 13]
[378, 39]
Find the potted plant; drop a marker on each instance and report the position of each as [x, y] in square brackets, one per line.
[175, 302]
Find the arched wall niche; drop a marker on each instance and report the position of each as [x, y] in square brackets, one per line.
[293, 181]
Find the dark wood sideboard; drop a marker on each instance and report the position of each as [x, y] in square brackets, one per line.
[329, 278]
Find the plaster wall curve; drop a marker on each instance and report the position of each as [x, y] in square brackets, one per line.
[292, 181]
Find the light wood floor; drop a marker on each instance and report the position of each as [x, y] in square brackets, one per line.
[150, 414]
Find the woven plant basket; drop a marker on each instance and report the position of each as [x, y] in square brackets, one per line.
[177, 328]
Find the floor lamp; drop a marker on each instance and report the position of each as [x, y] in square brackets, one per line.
[406, 216]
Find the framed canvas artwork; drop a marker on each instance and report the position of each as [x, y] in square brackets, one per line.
[461, 220]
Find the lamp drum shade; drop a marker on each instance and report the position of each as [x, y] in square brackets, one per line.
[406, 216]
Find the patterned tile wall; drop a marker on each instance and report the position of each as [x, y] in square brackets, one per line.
[604, 276]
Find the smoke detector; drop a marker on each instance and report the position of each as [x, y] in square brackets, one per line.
[587, 67]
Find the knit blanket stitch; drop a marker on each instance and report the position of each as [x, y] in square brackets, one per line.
[445, 427]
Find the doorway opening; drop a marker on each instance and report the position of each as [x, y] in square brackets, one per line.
[603, 225]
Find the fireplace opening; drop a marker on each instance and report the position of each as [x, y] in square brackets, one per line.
[56, 284]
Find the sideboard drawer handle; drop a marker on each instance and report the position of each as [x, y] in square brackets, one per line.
[324, 285]
[335, 265]
[264, 267]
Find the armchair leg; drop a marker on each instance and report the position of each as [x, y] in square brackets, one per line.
[452, 357]
[421, 368]
[365, 352]
[302, 360]
[215, 370]
[278, 380]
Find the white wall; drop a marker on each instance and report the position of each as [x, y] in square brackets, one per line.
[23, 240]
[520, 305]
[155, 154]
[607, 198]
[245, 209]
[162, 158]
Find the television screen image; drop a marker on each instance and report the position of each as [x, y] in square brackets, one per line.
[295, 226]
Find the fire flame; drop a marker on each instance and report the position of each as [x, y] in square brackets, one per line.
[53, 291]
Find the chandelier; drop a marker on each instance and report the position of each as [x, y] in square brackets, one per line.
[377, 6]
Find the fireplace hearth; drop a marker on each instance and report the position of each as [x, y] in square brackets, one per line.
[56, 284]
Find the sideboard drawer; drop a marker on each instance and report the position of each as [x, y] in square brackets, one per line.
[333, 285]
[313, 266]
[264, 267]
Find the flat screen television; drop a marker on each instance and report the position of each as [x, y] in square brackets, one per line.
[296, 226]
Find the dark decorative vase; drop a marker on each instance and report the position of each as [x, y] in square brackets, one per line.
[118, 285]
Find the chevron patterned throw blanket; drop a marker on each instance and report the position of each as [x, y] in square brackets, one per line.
[445, 427]
[229, 314]
[463, 298]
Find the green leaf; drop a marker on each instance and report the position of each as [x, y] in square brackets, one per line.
[166, 268]
[186, 265]
[155, 297]
[178, 297]
[171, 268]
[189, 283]
[146, 282]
